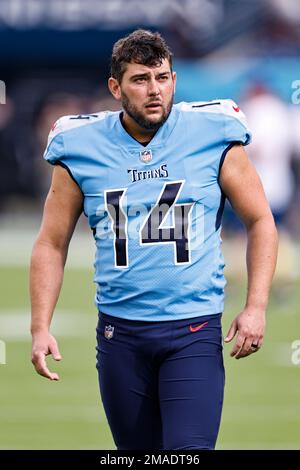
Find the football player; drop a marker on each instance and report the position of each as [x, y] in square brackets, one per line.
[152, 181]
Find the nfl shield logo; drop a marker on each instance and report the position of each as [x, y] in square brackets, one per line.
[109, 331]
[146, 156]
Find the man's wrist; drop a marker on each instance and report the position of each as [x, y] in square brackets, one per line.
[37, 329]
[257, 309]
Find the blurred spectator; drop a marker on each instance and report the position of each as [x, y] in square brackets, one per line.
[104, 102]
[294, 219]
[9, 167]
[271, 150]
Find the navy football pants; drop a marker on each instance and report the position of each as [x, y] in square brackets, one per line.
[161, 383]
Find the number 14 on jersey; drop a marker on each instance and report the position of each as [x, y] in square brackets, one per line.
[153, 231]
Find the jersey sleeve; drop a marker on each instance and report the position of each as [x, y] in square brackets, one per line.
[235, 124]
[54, 152]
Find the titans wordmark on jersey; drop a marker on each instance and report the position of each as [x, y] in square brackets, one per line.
[155, 211]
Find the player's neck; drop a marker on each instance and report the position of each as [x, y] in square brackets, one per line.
[137, 132]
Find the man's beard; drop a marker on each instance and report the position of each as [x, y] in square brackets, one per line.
[140, 119]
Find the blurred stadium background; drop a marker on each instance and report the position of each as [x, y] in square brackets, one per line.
[54, 59]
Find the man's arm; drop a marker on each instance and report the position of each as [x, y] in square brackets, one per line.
[243, 188]
[62, 209]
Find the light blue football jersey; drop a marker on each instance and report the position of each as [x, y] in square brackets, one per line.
[155, 210]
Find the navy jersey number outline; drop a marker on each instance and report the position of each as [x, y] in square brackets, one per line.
[113, 205]
[151, 231]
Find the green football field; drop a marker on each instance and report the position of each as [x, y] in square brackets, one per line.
[262, 395]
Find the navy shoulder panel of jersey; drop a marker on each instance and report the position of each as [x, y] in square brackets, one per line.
[55, 150]
[227, 115]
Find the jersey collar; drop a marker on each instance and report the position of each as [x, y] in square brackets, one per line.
[157, 140]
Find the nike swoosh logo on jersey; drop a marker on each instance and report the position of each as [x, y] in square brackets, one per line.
[236, 108]
[196, 328]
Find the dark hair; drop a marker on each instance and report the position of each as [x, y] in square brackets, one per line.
[142, 47]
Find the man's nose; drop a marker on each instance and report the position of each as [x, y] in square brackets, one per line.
[153, 87]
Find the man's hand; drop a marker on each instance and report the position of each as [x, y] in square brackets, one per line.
[44, 344]
[250, 325]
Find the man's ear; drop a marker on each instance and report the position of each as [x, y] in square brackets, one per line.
[174, 80]
[114, 88]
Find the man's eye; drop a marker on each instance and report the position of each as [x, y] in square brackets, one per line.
[164, 78]
[140, 80]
